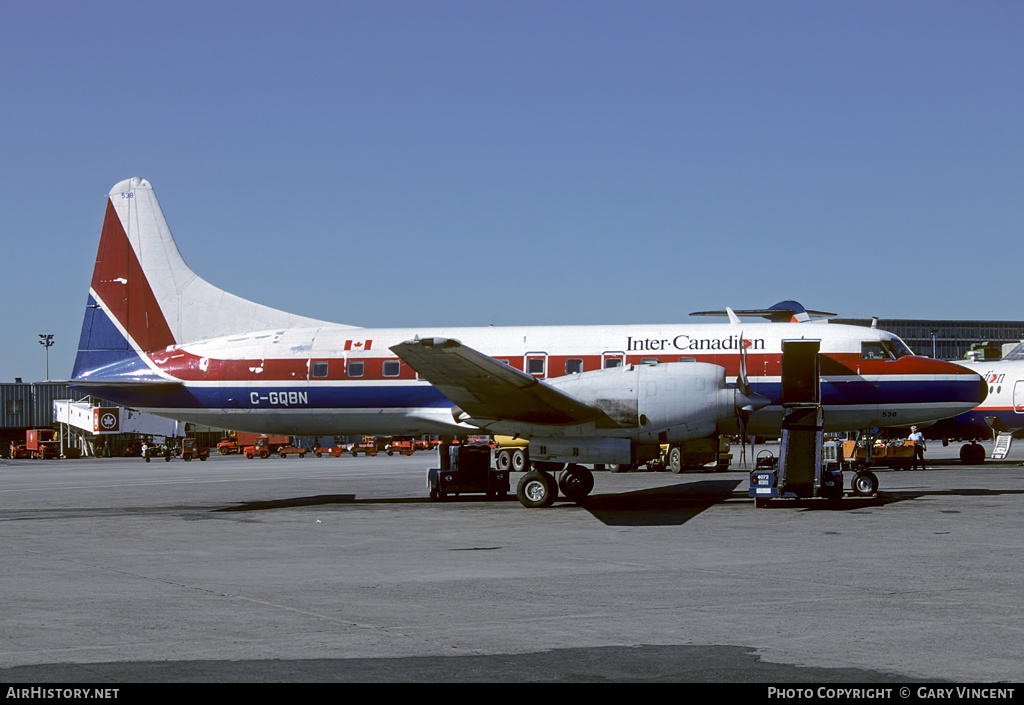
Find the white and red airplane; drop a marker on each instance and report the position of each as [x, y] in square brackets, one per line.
[158, 338]
[998, 417]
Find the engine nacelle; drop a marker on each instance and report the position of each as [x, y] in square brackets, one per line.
[662, 403]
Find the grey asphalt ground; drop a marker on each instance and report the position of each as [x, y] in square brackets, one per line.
[342, 570]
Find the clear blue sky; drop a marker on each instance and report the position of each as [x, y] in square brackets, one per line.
[436, 162]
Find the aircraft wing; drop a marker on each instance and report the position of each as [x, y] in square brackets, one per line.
[485, 388]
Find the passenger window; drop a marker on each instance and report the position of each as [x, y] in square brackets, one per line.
[610, 362]
[573, 366]
[535, 366]
[319, 369]
[392, 368]
[355, 368]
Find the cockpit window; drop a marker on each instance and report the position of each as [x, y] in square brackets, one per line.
[898, 348]
[884, 350]
[872, 351]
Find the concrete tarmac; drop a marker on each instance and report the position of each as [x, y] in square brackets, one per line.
[342, 570]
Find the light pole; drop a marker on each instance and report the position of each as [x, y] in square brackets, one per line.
[934, 331]
[46, 340]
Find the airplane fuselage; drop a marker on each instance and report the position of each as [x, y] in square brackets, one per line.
[346, 381]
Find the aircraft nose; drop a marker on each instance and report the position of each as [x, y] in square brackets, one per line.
[983, 394]
[971, 387]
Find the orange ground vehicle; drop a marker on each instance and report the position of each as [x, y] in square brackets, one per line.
[285, 451]
[402, 447]
[237, 441]
[367, 446]
[41, 443]
[265, 445]
[190, 448]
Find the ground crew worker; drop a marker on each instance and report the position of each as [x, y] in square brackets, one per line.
[918, 438]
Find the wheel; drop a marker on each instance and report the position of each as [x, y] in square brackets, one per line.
[186, 457]
[202, 458]
[283, 456]
[519, 460]
[264, 454]
[972, 454]
[248, 456]
[613, 467]
[302, 455]
[503, 461]
[537, 489]
[147, 458]
[675, 460]
[576, 482]
[864, 484]
[222, 451]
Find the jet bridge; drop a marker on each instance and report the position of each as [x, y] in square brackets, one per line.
[82, 422]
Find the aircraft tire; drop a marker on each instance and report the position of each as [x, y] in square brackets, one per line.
[675, 460]
[575, 482]
[864, 484]
[537, 490]
[972, 454]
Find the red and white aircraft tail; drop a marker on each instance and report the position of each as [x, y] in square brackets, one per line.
[144, 297]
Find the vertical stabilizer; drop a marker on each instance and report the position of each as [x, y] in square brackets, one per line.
[144, 297]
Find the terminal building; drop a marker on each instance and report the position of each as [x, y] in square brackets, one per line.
[33, 405]
[82, 430]
[949, 340]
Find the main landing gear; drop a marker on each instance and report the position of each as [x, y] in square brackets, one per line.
[539, 488]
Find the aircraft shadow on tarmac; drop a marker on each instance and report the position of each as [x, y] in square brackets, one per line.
[673, 505]
[663, 506]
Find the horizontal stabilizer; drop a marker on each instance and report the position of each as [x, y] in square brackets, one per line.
[782, 312]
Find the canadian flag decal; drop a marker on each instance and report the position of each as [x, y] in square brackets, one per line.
[358, 344]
